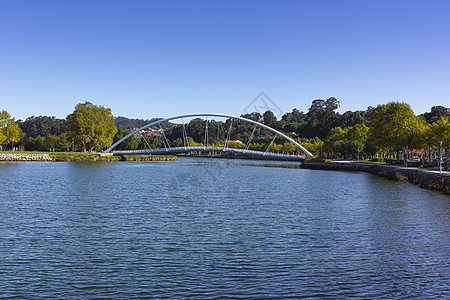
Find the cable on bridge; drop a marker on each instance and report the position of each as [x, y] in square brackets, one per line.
[164, 138]
[270, 145]
[225, 146]
[185, 139]
[206, 133]
[145, 141]
[250, 139]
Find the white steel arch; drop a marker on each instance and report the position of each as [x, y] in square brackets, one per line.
[212, 115]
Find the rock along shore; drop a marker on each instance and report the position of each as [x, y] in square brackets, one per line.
[424, 178]
[81, 157]
[24, 157]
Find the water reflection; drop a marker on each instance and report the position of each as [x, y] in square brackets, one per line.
[208, 228]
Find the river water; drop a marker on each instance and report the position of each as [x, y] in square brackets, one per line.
[216, 228]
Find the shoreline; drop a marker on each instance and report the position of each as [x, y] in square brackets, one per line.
[424, 178]
[79, 157]
[428, 179]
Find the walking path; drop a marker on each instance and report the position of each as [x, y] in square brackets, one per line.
[400, 167]
[430, 179]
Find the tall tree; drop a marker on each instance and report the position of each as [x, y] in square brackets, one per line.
[436, 113]
[129, 144]
[43, 125]
[351, 118]
[269, 118]
[440, 132]
[394, 126]
[92, 126]
[321, 117]
[9, 130]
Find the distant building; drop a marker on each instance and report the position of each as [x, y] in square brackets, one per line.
[150, 131]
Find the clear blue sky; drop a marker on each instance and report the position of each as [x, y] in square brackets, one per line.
[147, 59]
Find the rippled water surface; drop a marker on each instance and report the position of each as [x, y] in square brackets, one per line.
[206, 228]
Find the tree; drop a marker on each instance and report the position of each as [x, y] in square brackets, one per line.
[369, 113]
[321, 117]
[43, 125]
[351, 118]
[9, 130]
[394, 126]
[92, 126]
[269, 118]
[151, 141]
[314, 145]
[255, 116]
[348, 141]
[437, 112]
[130, 143]
[440, 131]
[295, 116]
[358, 136]
[336, 134]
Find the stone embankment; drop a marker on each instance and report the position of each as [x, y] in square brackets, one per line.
[24, 157]
[82, 157]
[422, 177]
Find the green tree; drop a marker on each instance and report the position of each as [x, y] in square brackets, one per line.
[348, 141]
[321, 117]
[440, 131]
[43, 125]
[351, 118]
[314, 145]
[436, 113]
[336, 134]
[92, 126]
[269, 118]
[394, 126]
[36, 144]
[357, 136]
[9, 130]
[130, 143]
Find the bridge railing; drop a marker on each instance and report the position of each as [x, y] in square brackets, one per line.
[244, 152]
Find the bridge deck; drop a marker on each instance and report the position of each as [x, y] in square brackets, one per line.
[232, 151]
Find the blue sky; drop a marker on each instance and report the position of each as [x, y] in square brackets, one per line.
[147, 59]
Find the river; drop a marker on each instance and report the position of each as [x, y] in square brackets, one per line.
[216, 228]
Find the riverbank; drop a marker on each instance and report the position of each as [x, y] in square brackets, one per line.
[24, 157]
[80, 157]
[424, 178]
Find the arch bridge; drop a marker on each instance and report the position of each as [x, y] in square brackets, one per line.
[234, 152]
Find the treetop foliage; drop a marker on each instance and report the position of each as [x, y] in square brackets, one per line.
[92, 126]
[9, 130]
[43, 125]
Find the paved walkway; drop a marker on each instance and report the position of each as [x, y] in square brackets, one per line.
[444, 173]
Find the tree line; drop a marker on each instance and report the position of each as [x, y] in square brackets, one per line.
[88, 127]
[389, 128]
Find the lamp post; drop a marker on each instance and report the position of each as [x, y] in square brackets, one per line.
[440, 157]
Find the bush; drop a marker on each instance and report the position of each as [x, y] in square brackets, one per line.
[393, 161]
[317, 159]
[377, 159]
[415, 164]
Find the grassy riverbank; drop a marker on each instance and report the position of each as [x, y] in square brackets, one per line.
[79, 156]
